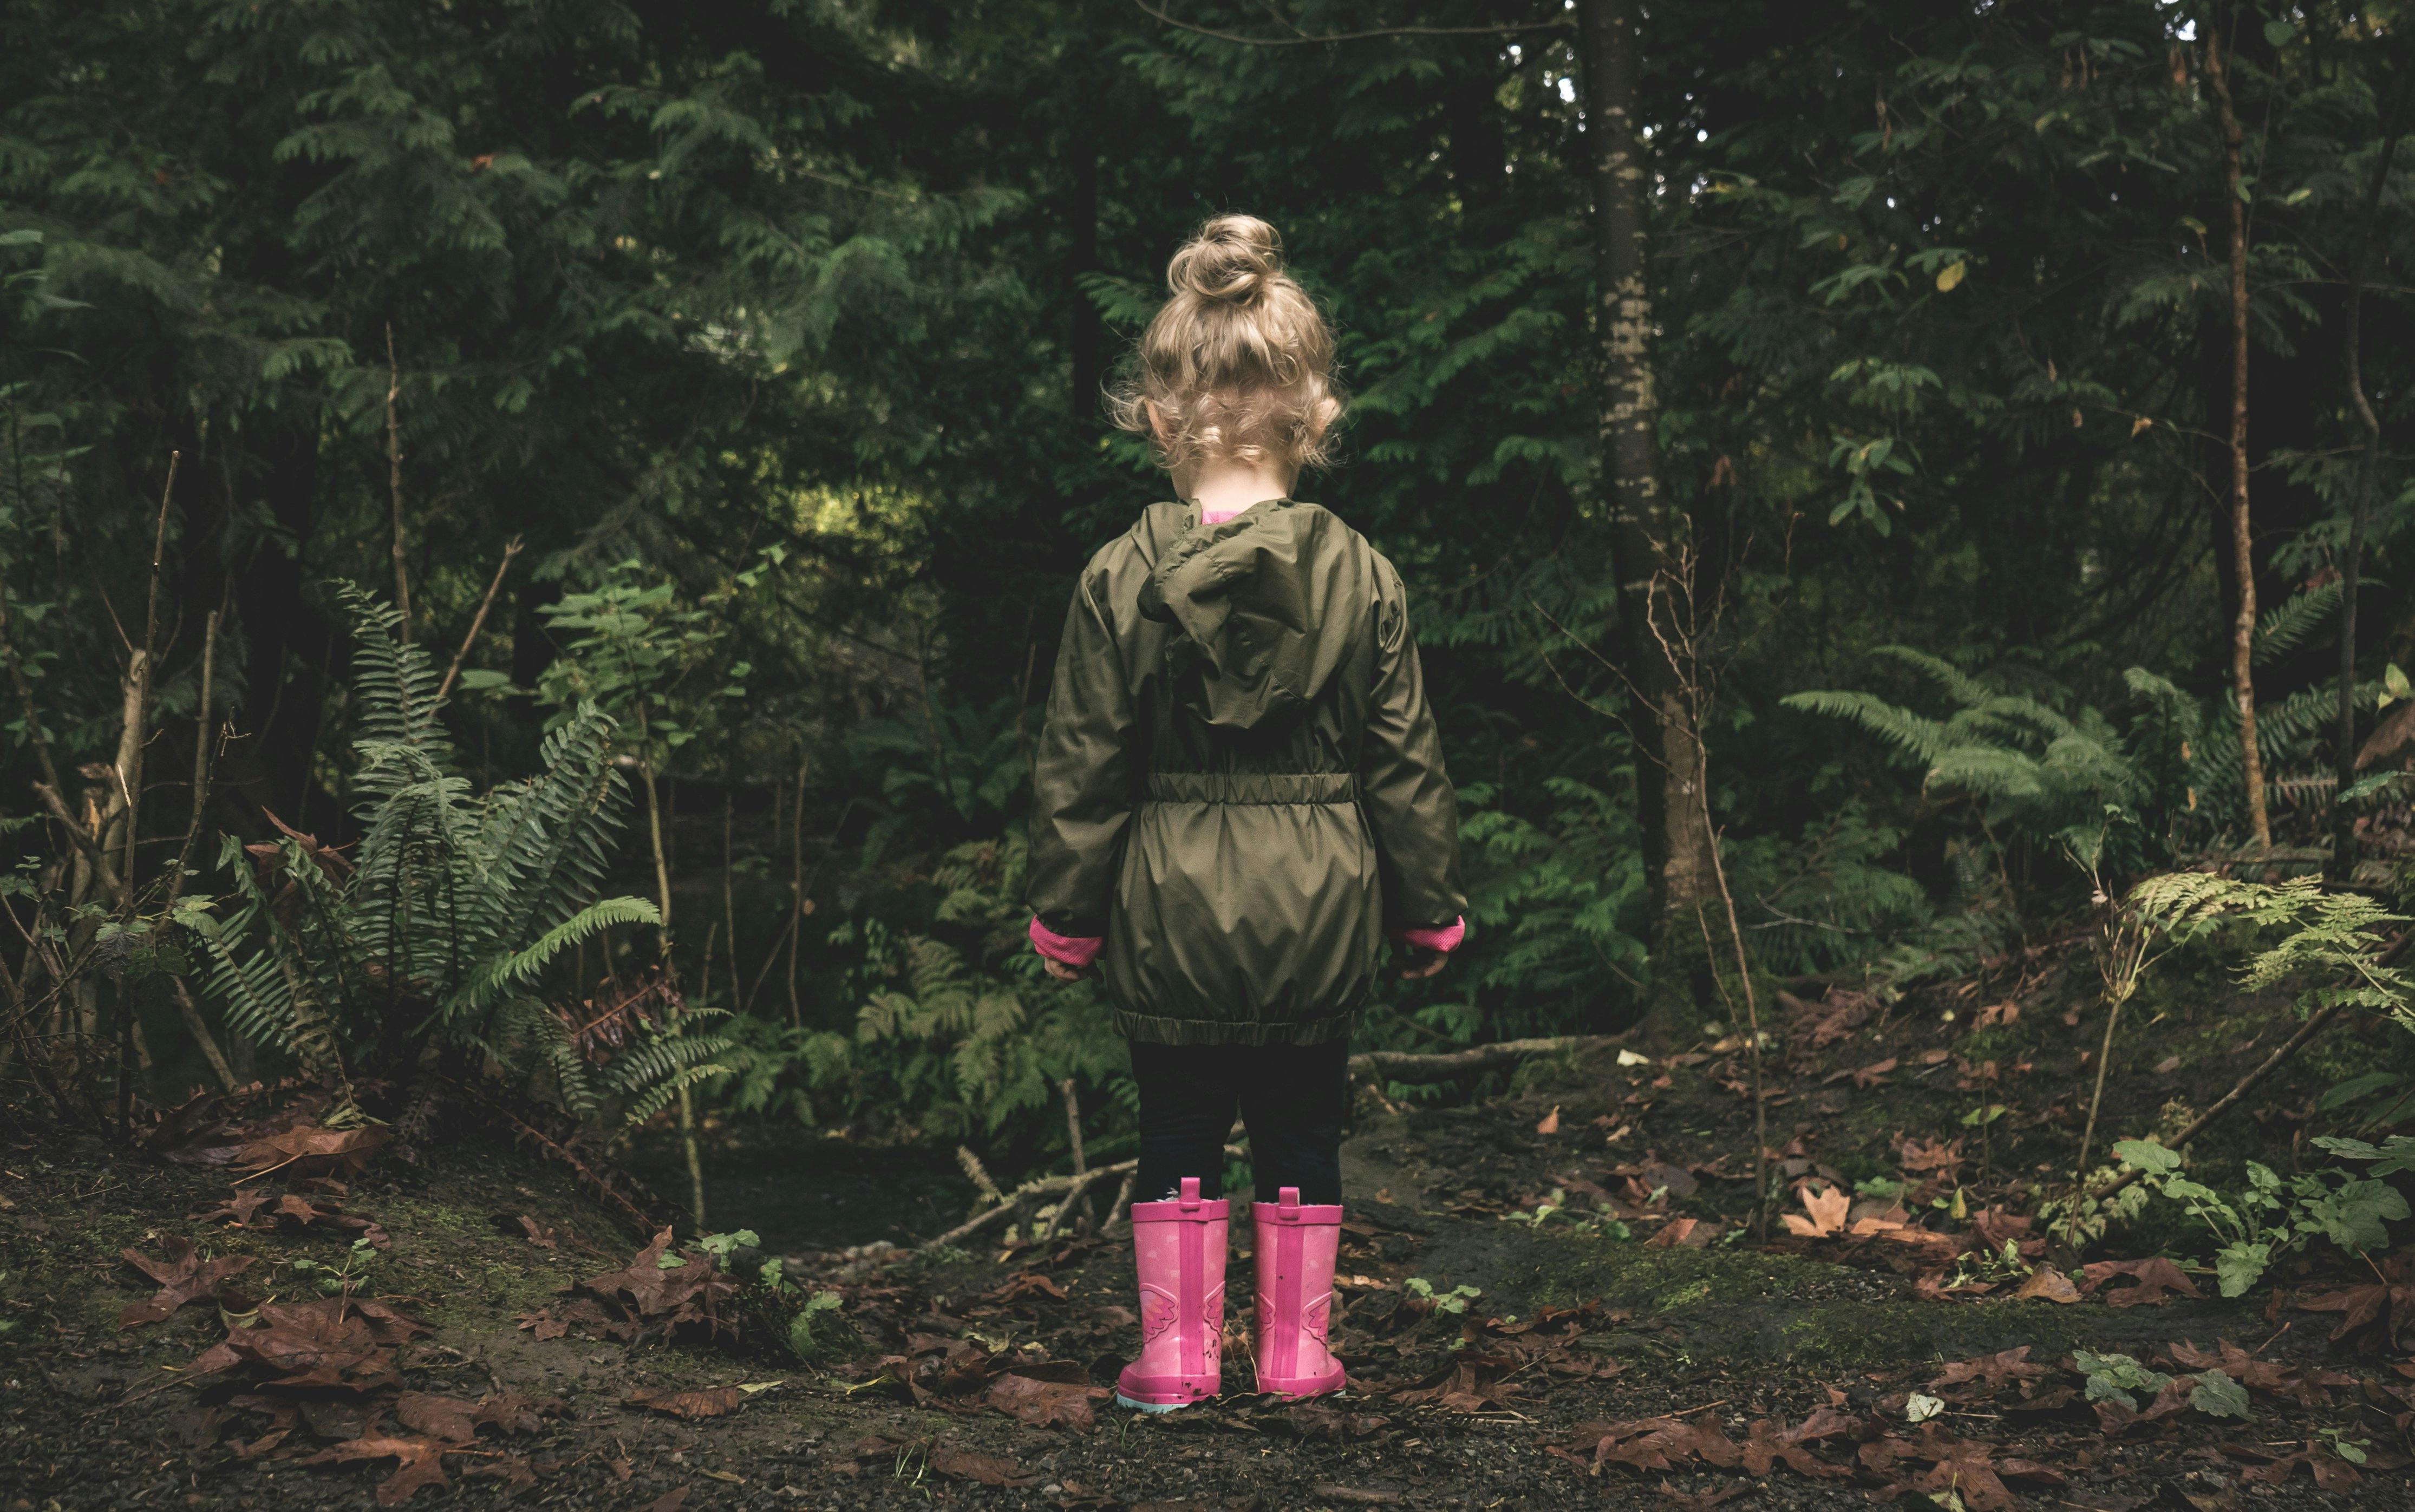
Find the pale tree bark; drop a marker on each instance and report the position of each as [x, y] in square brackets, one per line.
[1644, 530]
[2242, 537]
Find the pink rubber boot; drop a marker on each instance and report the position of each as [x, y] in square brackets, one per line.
[1179, 1246]
[1296, 1251]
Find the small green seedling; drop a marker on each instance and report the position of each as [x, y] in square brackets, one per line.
[2115, 1377]
[1453, 1301]
[801, 1328]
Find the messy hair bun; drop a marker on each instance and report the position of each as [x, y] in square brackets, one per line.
[1238, 363]
[1232, 258]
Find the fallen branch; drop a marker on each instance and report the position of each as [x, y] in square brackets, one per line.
[1013, 1200]
[2296, 1042]
[1072, 1186]
[1404, 1066]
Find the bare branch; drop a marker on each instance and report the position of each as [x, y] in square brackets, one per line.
[479, 621]
[394, 481]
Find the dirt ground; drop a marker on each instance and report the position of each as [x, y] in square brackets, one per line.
[1637, 1347]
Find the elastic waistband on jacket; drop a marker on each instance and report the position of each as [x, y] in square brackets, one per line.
[1252, 788]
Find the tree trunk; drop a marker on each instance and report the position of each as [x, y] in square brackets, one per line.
[2242, 628]
[2361, 512]
[1644, 532]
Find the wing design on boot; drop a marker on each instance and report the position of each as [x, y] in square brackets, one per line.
[1159, 1311]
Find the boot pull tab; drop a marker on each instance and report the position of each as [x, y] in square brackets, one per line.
[1190, 1194]
[1287, 1209]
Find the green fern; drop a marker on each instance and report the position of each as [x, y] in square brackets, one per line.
[2069, 780]
[2116, 799]
[451, 912]
[2285, 626]
[2332, 940]
[979, 1044]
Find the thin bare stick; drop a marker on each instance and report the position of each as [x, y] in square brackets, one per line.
[477, 622]
[204, 740]
[1752, 1021]
[1407, 1066]
[1073, 1123]
[2343, 858]
[103, 872]
[138, 690]
[729, 860]
[1074, 1134]
[198, 1028]
[2229, 1100]
[2095, 1099]
[797, 880]
[1008, 1201]
[394, 481]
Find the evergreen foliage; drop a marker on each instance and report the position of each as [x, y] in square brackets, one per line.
[781, 327]
[454, 910]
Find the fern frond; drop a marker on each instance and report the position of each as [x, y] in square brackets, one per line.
[2282, 628]
[658, 1097]
[1960, 685]
[1921, 739]
[518, 969]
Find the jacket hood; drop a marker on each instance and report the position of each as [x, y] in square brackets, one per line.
[1269, 603]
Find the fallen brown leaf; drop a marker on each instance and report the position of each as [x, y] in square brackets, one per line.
[314, 1150]
[181, 1276]
[417, 1463]
[2152, 1277]
[1047, 1403]
[984, 1469]
[716, 1401]
[2048, 1284]
[1828, 1209]
[1990, 1370]
[449, 1419]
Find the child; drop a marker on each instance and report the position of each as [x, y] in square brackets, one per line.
[1238, 792]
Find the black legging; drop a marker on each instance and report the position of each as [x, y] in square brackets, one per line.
[1292, 1097]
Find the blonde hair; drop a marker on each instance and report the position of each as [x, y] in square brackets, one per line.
[1238, 364]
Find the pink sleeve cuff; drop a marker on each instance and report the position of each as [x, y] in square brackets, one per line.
[1073, 951]
[1446, 938]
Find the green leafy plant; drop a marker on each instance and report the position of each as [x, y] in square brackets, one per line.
[2332, 939]
[2273, 1215]
[2121, 1379]
[440, 929]
[2114, 798]
[1454, 1301]
[807, 1334]
[977, 1033]
[1555, 1209]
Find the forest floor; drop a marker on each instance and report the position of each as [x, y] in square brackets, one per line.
[1635, 1348]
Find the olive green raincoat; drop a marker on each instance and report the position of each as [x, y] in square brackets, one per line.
[1239, 785]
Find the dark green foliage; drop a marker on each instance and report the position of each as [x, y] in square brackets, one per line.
[451, 913]
[803, 309]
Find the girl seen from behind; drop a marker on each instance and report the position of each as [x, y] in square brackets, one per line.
[1237, 796]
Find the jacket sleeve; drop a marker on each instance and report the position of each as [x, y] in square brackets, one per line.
[1081, 776]
[1408, 798]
